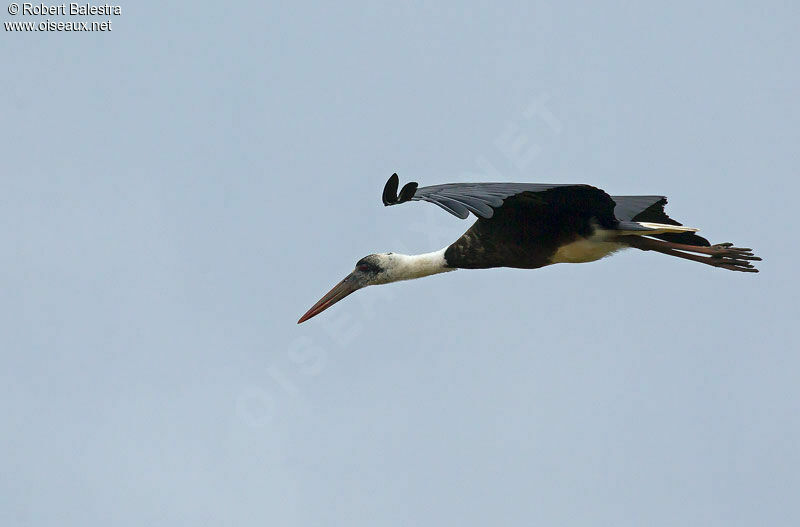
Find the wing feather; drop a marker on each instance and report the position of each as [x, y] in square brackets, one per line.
[459, 199]
[650, 209]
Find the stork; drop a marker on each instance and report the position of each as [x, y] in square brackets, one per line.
[531, 225]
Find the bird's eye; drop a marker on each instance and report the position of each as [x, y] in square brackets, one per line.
[363, 267]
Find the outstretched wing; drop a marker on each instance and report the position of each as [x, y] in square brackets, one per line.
[460, 199]
[482, 199]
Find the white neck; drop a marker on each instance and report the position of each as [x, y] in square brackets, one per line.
[408, 267]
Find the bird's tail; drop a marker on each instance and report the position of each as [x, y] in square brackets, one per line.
[646, 228]
[664, 231]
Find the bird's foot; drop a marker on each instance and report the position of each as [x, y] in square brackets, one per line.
[728, 251]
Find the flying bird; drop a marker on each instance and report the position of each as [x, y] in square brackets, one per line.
[531, 225]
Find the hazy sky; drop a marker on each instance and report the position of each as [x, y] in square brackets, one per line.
[175, 193]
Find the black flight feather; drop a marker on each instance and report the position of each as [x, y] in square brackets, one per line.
[483, 199]
[390, 190]
[407, 192]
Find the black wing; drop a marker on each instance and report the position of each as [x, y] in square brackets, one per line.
[651, 209]
[482, 199]
[512, 216]
[629, 208]
[460, 199]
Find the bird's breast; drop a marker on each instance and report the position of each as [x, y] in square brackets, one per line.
[587, 249]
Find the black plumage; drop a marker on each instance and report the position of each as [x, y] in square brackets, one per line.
[525, 224]
[655, 213]
[529, 227]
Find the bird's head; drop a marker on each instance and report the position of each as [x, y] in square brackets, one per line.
[370, 270]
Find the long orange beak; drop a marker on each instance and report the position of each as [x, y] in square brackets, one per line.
[342, 289]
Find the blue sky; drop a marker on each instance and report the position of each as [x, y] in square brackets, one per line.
[178, 191]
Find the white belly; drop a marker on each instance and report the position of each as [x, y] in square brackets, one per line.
[587, 249]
